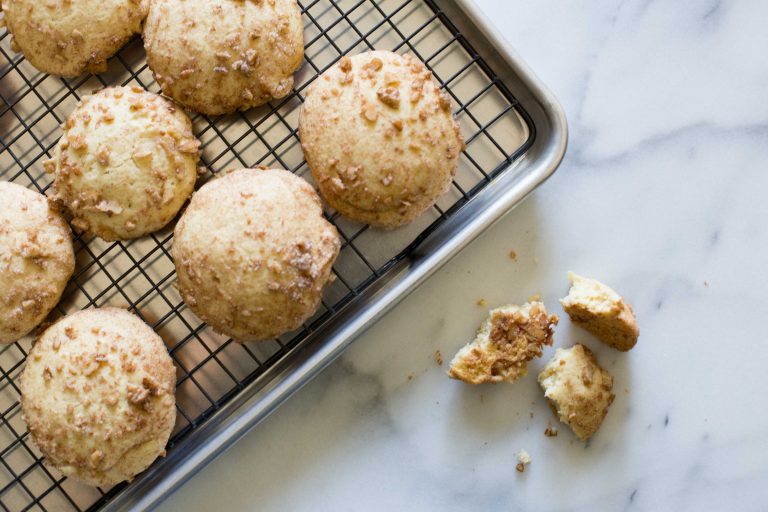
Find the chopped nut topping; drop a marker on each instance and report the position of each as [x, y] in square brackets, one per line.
[96, 457]
[444, 101]
[390, 96]
[416, 88]
[374, 64]
[189, 146]
[103, 155]
[77, 141]
[350, 174]
[137, 395]
[370, 113]
[50, 166]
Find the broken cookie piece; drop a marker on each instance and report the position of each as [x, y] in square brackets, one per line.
[578, 389]
[509, 338]
[523, 459]
[603, 312]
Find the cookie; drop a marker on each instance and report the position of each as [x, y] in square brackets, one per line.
[509, 338]
[125, 164]
[253, 253]
[97, 394]
[36, 260]
[220, 56]
[380, 138]
[578, 389]
[601, 311]
[69, 38]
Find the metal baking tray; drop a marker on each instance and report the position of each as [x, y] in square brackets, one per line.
[516, 136]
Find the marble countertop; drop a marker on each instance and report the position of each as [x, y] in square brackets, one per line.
[662, 195]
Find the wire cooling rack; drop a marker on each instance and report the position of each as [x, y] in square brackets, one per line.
[140, 274]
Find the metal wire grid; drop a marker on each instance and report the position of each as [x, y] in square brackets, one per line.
[139, 274]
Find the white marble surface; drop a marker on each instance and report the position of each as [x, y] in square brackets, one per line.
[663, 194]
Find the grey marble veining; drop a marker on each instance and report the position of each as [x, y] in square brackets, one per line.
[663, 196]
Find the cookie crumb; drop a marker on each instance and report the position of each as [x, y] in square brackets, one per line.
[513, 255]
[481, 302]
[438, 358]
[550, 432]
[523, 459]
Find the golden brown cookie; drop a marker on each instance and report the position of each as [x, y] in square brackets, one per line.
[578, 389]
[97, 394]
[36, 260]
[380, 138]
[603, 312]
[508, 339]
[253, 253]
[219, 56]
[70, 37]
[125, 164]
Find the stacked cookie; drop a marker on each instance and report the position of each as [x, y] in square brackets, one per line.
[253, 251]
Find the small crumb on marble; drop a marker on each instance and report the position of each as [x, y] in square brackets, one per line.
[513, 255]
[523, 459]
[550, 432]
[706, 284]
[481, 302]
[438, 358]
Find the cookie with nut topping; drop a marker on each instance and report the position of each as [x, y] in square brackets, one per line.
[36, 260]
[125, 164]
[578, 389]
[98, 395]
[220, 56]
[71, 37]
[510, 338]
[380, 139]
[253, 253]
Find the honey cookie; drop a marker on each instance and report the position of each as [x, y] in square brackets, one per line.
[219, 56]
[68, 38]
[125, 164]
[36, 260]
[253, 253]
[380, 138]
[97, 394]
